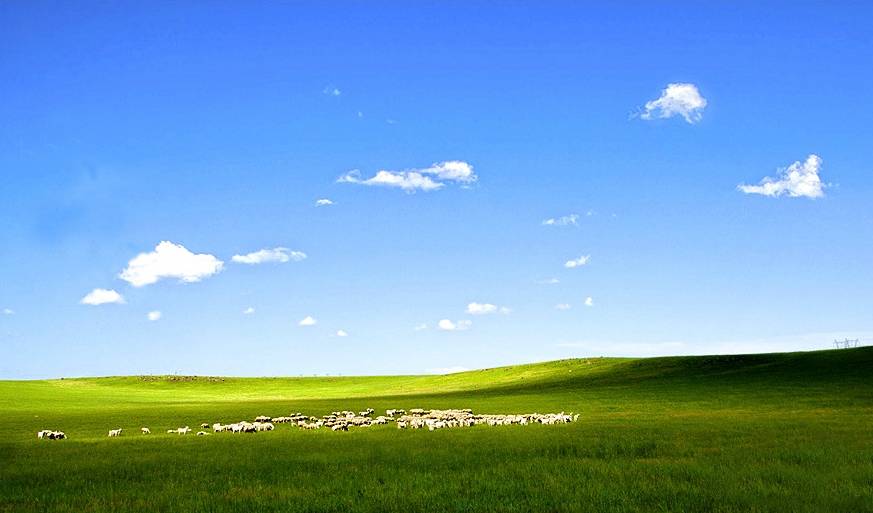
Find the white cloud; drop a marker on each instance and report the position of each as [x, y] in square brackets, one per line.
[360, 114]
[589, 301]
[102, 297]
[331, 91]
[568, 220]
[448, 370]
[562, 306]
[682, 99]
[323, 202]
[548, 281]
[578, 262]
[307, 321]
[420, 327]
[486, 308]
[154, 315]
[447, 325]
[797, 180]
[8, 311]
[341, 333]
[170, 260]
[262, 256]
[425, 179]
[248, 311]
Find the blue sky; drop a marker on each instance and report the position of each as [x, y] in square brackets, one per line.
[217, 128]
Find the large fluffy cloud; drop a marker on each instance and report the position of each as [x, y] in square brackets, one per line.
[677, 99]
[280, 255]
[800, 179]
[102, 297]
[170, 260]
[424, 179]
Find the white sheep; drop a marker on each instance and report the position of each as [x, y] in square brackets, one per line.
[115, 432]
[145, 431]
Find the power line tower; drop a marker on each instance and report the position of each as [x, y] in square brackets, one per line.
[846, 344]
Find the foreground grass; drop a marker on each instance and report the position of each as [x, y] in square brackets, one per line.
[788, 432]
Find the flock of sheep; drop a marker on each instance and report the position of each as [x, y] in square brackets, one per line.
[416, 418]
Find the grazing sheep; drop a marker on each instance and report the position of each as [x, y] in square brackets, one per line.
[146, 431]
[202, 433]
[115, 432]
[204, 425]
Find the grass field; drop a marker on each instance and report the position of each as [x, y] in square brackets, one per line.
[777, 432]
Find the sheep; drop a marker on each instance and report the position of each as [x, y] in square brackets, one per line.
[204, 425]
[145, 431]
[218, 427]
[183, 430]
[115, 432]
[43, 434]
[202, 433]
[57, 435]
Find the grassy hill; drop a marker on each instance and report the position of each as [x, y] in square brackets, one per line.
[773, 432]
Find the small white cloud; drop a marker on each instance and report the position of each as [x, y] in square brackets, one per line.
[154, 315]
[682, 99]
[447, 325]
[102, 297]
[568, 220]
[548, 281]
[170, 260]
[323, 202]
[307, 321]
[578, 262]
[424, 179]
[420, 327]
[280, 255]
[562, 306]
[360, 114]
[797, 180]
[391, 121]
[486, 308]
[248, 311]
[8, 311]
[589, 301]
[448, 370]
[341, 333]
[331, 91]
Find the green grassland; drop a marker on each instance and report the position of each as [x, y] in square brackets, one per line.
[776, 432]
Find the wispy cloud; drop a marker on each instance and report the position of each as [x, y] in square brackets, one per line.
[577, 262]
[102, 297]
[420, 327]
[279, 255]
[677, 99]
[568, 220]
[307, 321]
[486, 308]
[341, 333]
[548, 281]
[447, 325]
[563, 306]
[800, 179]
[154, 315]
[323, 202]
[589, 301]
[170, 260]
[249, 311]
[430, 178]
[331, 90]
[8, 311]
